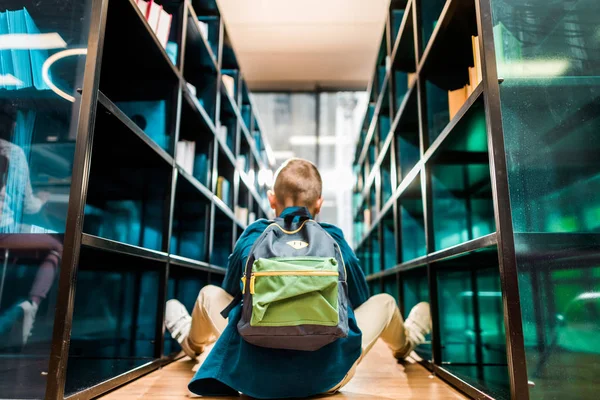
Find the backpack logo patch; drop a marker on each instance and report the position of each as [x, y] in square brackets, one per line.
[297, 244]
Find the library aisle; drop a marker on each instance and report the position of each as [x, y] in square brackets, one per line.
[457, 142]
[379, 377]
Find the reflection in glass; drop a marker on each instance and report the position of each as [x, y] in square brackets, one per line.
[462, 193]
[412, 222]
[549, 56]
[37, 145]
[438, 114]
[114, 319]
[389, 241]
[472, 321]
[430, 14]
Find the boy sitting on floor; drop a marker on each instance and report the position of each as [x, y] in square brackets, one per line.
[233, 365]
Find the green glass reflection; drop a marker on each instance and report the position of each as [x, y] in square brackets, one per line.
[472, 320]
[407, 138]
[375, 252]
[438, 114]
[396, 20]
[390, 286]
[389, 241]
[388, 181]
[548, 54]
[430, 14]
[462, 194]
[412, 222]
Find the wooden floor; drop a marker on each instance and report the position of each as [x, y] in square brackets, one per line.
[378, 377]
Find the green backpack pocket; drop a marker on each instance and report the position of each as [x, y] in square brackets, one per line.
[294, 291]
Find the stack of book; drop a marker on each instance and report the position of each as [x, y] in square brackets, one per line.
[185, 154]
[21, 59]
[229, 83]
[158, 19]
[456, 98]
[241, 214]
[223, 190]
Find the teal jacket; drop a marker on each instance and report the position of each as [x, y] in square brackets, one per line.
[235, 366]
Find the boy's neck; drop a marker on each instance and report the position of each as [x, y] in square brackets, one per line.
[280, 209]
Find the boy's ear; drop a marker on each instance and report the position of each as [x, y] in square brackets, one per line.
[272, 199]
[318, 205]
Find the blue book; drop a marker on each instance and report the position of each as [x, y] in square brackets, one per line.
[150, 116]
[201, 168]
[225, 192]
[172, 52]
[20, 58]
[5, 55]
[37, 56]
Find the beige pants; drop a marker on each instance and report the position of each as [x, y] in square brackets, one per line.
[378, 317]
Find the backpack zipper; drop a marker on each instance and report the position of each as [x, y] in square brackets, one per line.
[289, 273]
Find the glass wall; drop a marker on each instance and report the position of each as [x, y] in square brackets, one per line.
[548, 53]
[292, 120]
[42, 56]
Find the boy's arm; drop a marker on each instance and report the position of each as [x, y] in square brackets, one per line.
[358, 290]
[237, 260]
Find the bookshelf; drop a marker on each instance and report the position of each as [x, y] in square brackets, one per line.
[474, 189]
[156, 161]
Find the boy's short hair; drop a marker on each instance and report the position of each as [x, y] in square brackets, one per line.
[299, 180]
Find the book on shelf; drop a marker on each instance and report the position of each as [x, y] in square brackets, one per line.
[203, 28]
[201, 170]
[222, 133]
[412, 77]
[241, 162]
[143, 6]
[477, 58]
[241, 214]
[229, 83]
[186, 152]
[367, 218]
[191, 88]
[153, 15]
[158, 19]
[223, 189]
[21, 67]
[164, 27]
[456, 99]
[149, 116]
[251, 217]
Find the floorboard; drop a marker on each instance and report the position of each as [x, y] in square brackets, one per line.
[378, 377]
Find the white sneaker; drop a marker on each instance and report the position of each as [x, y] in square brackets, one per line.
[416, 326]
[29, 312]
[178, 322]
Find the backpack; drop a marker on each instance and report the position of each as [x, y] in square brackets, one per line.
[294, 289]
